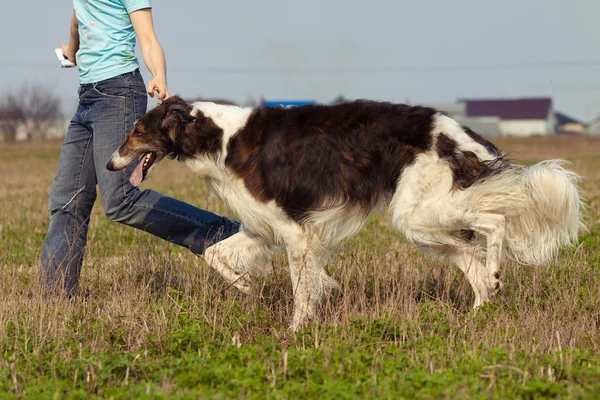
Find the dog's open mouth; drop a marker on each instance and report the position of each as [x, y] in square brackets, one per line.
[141, 170]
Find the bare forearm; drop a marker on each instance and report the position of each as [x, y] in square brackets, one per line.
[153, 54]
[74, 37]
[70, 50]
[154, 58]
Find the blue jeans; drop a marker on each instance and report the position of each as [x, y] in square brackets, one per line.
[107, 110]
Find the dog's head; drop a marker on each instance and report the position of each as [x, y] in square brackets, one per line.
[169, 130]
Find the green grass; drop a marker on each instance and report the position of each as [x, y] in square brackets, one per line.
[382, 362]
[153, 321]
[428, 367]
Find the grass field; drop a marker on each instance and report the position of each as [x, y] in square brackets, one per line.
[153, 321]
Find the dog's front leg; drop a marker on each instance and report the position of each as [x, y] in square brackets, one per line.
[475, 272]
[492, 226]
[304, 269]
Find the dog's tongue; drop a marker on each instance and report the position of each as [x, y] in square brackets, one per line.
[138, 174]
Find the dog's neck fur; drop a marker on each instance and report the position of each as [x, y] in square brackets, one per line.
[230, 119]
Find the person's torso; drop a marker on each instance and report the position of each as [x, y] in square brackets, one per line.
[106, 38]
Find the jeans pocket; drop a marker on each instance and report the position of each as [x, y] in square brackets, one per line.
[111, 88]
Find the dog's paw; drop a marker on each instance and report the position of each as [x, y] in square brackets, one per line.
[302, 318]
[492, 289]
[243, 284]
[495, 285]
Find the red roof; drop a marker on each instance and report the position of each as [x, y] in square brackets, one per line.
[531, 108]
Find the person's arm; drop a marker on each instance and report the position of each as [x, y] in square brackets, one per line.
[69, 50]
[152, 52]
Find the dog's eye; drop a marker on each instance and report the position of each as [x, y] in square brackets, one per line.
[137, 133]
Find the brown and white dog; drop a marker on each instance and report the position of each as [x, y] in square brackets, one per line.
[305, 178]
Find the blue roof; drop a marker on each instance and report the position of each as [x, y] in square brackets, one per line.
[287, 103]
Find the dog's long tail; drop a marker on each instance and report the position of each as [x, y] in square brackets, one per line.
[548, 214]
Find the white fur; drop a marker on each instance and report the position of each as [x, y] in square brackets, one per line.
[227, 117]
[118, 161]
[230, 119]
[532, 211]
[452, 129]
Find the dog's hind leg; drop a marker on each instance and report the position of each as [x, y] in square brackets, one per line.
[237, 256]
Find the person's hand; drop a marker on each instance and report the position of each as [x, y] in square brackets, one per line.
[69, 53]
[159, 85]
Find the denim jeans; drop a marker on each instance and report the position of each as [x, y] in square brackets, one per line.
[106, 112]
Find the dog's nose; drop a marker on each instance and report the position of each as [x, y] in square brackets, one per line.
[109, 166]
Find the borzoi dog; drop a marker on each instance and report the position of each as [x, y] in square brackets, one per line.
[305, 178]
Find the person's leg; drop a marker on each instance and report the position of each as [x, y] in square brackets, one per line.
[119, 103]
[71, 200]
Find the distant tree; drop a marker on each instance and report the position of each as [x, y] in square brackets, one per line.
[250, 102]
[10, 120]
[34, 107]
[338, 100]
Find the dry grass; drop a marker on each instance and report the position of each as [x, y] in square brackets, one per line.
[146, 304]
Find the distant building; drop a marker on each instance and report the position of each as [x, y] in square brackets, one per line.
[517, 117]
[25, 130]
[569, 125]
[486, 126]
[503, 117]
[594, 127]
[454, 110]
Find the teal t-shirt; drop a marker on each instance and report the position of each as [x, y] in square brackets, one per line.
[106, 38]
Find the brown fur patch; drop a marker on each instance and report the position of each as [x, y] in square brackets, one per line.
[467, 169]
[315, 157]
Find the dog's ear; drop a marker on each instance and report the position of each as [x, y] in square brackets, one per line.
[177, 115]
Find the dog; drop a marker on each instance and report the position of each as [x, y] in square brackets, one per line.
[305, 178]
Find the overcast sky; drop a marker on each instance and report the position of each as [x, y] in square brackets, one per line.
[417, 51]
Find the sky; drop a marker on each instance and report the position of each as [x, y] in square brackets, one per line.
[417, 52]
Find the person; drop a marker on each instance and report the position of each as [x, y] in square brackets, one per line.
[112, 96]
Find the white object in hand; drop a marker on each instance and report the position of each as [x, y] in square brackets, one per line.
[64, 61]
